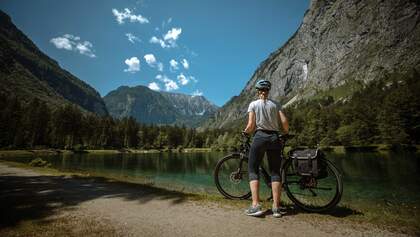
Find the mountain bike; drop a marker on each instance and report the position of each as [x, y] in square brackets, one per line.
[310, 193]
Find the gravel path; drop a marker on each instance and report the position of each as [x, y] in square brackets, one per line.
[137, 210]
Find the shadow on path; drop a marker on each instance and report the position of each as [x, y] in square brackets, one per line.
[36, 197]
[338, 211]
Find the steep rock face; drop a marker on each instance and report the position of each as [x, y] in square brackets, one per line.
[340, 43]
[148, 106]
[28, 73]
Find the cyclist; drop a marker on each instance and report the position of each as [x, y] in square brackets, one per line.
[265, 118]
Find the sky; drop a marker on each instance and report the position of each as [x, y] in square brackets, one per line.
[196, 47]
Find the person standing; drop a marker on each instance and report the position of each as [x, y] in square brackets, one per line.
[267, 120]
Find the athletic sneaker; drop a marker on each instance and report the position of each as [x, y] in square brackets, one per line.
[254, 211]
[278, 212]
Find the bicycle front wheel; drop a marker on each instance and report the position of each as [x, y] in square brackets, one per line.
[231, 177]
[310, 193]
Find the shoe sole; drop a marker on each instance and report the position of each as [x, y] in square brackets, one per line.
[279, 214]
[258, 213]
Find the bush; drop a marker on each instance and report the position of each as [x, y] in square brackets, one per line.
[79, 148]
[180, 149]
[38, 162]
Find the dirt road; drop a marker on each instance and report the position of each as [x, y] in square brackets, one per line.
[97, 207]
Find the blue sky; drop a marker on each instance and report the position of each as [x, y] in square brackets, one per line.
[194, 47]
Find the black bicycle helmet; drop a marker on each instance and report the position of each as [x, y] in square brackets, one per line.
[263, 85]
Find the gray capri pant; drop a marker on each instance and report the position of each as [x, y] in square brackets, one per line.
[265, 141]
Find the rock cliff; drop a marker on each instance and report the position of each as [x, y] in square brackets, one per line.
[341, 45]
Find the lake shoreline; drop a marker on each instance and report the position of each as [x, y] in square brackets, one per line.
[337, 149]
[47, 151]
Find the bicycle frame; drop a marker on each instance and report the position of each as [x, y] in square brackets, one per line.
[294, 184]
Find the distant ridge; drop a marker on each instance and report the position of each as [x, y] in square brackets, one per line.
[148, 106]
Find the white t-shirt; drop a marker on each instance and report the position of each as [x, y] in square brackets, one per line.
[266, 114]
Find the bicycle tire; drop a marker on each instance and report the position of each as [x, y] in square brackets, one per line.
[231, 183]
[308, 199]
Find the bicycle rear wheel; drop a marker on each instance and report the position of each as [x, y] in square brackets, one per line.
[310, 193]
[231, 177]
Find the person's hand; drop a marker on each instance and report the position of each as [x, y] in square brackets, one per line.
[245, 134]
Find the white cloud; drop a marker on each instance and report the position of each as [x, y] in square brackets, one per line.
[85, 48]
[133, 65]
[132, 38]
[183, 80]
[185, 63]
[173, 65]
[127, 14]
[197, 93]
[152, 62]
[62, 43]
[150, 59]
[193, 79]
[154, 86]
[155, 40]
[69, 36]
[172, 34]
[169, 84]
[169, 39]
[71, 42]
[160, 66]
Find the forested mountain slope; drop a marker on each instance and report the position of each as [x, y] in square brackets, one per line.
[27, 73]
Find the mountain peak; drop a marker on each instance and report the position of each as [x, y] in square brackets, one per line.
[149, 106]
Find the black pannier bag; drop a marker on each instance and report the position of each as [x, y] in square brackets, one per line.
[307, 162]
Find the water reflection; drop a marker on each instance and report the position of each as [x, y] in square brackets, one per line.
[368, 176]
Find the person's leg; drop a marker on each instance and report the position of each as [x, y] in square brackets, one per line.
[274, 163]
[256, 153]
[276, 189]
[255, 187]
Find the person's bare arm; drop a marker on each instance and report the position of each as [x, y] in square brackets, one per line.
[250, 127]
[284, 123]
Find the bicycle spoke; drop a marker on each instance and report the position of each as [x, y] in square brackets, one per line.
[313, 194]
[232, 180]
[322, 188]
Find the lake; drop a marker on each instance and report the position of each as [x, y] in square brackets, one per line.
[370, 178]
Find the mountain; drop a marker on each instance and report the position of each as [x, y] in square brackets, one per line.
[340, 47]
[148, 106]
[28, 73]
